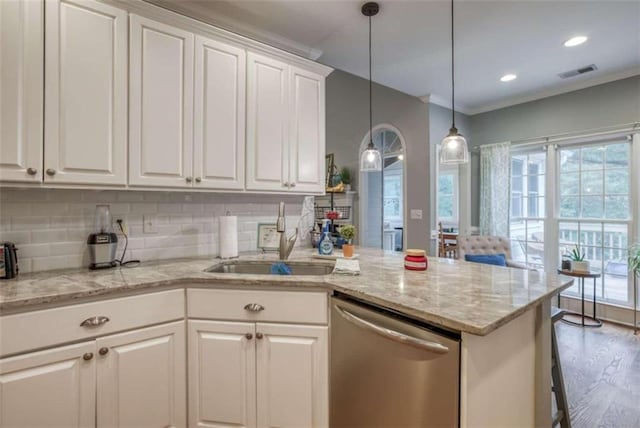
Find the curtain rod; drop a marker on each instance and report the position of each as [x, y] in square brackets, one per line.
[632, 127]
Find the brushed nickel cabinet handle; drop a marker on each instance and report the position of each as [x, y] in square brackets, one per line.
[189, 179]
[249, 336]
[285, 184]
[259, 336]
[51, 172]
[254, 307]
[103, 351]
[87, 356]
[32, 171]
[94, 321]
[198, 179]
[292, 185]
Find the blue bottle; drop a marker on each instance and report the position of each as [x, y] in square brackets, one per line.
[325, 245]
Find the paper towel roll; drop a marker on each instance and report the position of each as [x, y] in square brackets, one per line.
[228, 236]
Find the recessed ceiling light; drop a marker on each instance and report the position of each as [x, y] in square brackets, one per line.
[508, 77]
[575, 41]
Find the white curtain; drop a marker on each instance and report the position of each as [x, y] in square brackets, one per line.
[495, 178]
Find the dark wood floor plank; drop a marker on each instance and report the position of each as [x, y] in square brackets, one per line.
[602, 375]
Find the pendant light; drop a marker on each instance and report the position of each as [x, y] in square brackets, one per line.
[371, 159]
[454, 146]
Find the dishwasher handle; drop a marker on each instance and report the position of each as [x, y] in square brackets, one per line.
[393, 335]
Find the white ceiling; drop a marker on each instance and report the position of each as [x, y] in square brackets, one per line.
[411, 46]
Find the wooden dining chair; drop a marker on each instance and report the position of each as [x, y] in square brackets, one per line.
[446, 248]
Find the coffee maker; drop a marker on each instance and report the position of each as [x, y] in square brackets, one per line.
[103, 242]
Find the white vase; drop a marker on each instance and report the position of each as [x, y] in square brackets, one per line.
[580, 266]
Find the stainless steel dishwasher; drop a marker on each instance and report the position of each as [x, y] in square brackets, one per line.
[390, 371]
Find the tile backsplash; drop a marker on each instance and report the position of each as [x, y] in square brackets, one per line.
[50, 226]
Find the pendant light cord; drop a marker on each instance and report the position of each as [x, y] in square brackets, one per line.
[453, 81]
[370, 92]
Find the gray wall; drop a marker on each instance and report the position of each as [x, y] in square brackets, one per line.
[599, 106]
[347, 100]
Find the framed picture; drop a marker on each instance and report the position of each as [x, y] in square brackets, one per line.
[268, 237]
[328, 167]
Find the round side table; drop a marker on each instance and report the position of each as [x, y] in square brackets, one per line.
[581, 277]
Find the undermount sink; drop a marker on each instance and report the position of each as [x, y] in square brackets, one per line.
[264, 268]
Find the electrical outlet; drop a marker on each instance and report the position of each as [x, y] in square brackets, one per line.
[416, 214]
[149, 223]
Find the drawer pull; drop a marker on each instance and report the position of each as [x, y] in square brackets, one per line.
[103, 351]
[94, 321]
[254, 307]
[259, 336]
[87, 356]
[249, 336]
[32, 171]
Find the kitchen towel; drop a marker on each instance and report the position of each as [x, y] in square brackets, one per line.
[347, 267]
[228, 236]
[307, 218]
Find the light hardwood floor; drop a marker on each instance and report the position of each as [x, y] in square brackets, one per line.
[601, 368]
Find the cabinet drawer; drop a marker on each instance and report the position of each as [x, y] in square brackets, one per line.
[278, 306]
[40, 329]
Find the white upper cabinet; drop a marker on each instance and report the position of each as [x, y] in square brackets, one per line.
[307, 136]
[219, 126]
[161, 103]
[285, 127]
[267, 123]
[85, 93]
[21, 60]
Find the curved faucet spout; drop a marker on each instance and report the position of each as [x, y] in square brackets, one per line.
[286, 244]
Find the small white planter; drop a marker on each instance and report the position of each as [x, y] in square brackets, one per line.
[579, 266]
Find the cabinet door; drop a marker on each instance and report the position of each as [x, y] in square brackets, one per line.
[222, 388]
[142, 378]
[161, 102]
[21, 93]
[219, 136]
[307, 137]
[292, 376]
[85, 93]
[51, 388]
[267, 124]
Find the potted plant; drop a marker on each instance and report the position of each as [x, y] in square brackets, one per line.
[345, 173]
[634, 267]
[348, 232]
[578, 263]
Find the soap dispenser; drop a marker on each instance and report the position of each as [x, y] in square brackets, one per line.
[325, 245]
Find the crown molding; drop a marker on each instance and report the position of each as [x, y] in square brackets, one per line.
[443, 102]
[583, 84]
[200, 12]
[171, 17]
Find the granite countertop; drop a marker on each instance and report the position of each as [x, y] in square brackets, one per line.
[456, 295]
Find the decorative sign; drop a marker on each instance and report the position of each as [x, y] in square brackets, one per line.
[268, 237]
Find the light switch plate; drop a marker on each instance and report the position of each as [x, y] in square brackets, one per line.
[149, 223]
[416, 214]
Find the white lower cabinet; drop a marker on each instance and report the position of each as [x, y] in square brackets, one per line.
[257, 375]
[51, 388]
[292, 375]
[133, 379]
[142, 378]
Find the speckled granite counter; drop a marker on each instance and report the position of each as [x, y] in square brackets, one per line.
[460, 296]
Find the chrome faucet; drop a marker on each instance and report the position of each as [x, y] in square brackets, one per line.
[286, 244]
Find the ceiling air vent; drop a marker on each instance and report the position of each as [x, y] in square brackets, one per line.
[578, 71]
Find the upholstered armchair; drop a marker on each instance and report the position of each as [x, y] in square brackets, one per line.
[475, 244]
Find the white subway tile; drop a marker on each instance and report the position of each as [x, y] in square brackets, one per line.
[29, 223]
[19, 237]
[48, 236]
[33, 250]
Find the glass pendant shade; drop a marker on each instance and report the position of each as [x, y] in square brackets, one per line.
[371, 160]
[454, 148]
